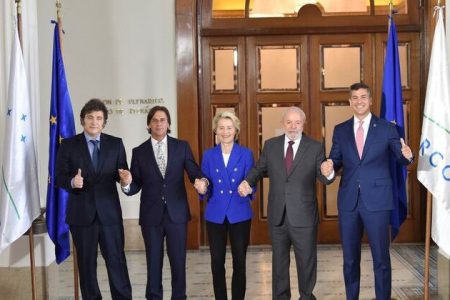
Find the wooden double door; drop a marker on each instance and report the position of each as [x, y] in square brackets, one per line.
[257, 77]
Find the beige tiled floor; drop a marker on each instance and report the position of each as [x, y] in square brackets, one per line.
[57, 281]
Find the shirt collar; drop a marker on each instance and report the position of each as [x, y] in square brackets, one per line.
[296, 141]
[154, 141]
[89, 138]
[366, 120]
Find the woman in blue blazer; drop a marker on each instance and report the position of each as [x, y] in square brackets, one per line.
[227, 213]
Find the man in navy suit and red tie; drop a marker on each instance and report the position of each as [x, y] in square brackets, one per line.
[157, 168]
[87, 167]
[361, 148]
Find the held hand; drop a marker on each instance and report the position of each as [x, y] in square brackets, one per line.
[406, 151]
[326, 167]
[78, 180]
[125, 177]
[200, 186]
[244, 189]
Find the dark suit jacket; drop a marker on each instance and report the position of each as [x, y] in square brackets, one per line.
[295, 191]
[370, 173]
[156, 189]
[99, 193]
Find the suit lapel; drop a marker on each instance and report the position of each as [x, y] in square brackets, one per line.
[84, 151]
[371, 134]
[149, 157]
[171, 149]
[350, 135]
[104, 152]
[220, 163]
[279, 153]
[279, 150]
[218, 159]
[235, 156]
[300, 152]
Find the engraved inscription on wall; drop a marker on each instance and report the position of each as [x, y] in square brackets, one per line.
[122, 106]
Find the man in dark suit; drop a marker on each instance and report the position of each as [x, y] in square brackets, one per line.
[87, 166]
[292, 162]
[362, 146]
[157, 167]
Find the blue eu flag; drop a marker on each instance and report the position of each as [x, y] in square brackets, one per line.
[392, 111]
[61, 126]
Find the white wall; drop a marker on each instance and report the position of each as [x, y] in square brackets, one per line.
[113, 49]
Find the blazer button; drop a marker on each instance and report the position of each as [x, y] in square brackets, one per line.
[221, 191]
[220, 180]
[230, 191]
[217, 170]
[235, 169]
[232, 180]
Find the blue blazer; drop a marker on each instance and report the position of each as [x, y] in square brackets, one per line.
[223, 197]
[159, 192]
[371, 173]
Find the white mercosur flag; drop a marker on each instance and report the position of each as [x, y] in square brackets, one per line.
[434, 156]
[19, 202]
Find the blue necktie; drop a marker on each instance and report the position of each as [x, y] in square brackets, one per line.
[95, 153]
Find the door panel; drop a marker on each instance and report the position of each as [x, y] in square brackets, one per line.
[223, 88]
[336, 62]
[262, 75]
[267, 101]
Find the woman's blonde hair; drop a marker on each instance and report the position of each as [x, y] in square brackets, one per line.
[227, 115]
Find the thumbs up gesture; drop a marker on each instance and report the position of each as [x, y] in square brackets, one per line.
[406, 151]
[125, 177]
[78, 180]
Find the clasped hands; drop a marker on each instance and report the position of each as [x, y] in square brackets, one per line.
[201, 185]
[244, 189]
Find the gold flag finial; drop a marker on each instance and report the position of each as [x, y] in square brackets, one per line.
[58, 7]
[391, 7]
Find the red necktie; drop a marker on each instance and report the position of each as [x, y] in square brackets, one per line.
[289, 157]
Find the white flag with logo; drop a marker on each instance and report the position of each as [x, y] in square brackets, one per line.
[19, 202]
[434, 156]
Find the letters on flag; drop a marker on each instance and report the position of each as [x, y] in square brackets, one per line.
[434, 154]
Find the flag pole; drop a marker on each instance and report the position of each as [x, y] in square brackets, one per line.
[74, 252]
[390, 10]
[19, 21]
[30, 230]
[426, 280]
[426, 288]
[59, 20]
[426, 283]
